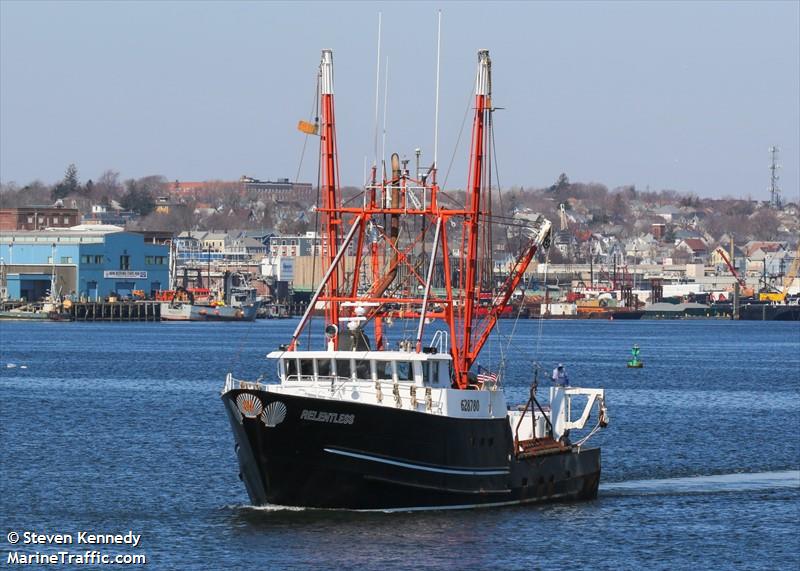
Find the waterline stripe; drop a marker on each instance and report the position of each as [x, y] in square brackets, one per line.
[275, 507]
[418, 466]
[470, 506]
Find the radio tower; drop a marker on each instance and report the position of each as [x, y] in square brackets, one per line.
[774, 191]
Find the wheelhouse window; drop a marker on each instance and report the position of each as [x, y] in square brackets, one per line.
[363, 369]
[324, 367]
[405, 371]
[290, 366]
[427, 367]
[384, 370]
[307, 367]
[343, 367]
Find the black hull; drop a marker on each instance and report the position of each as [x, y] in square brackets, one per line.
[345, 455]
[768, 312]
[631, 314]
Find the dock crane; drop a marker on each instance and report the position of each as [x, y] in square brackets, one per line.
[787, 281]
[742, 284]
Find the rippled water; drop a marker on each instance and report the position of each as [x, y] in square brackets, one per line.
[112, 427]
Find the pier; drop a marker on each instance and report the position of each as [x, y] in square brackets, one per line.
[281, 310]
[116, 311]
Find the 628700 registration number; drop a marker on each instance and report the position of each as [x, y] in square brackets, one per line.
[470, 405]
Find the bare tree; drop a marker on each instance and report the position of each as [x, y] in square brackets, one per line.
[179, 218]
[764, 224]
[107, 186]
[36, 192]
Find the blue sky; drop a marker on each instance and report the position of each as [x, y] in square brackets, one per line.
[686, 96]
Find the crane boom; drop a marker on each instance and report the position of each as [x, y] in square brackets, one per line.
[733, 271]
[787, 281]
[792, 273]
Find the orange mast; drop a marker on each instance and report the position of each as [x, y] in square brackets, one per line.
[331, 221]
[473, 213]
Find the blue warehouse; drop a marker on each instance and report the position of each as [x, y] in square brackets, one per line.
[88, 263]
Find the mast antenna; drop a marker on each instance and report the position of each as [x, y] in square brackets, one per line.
[385, 106]
[436, 113]
[774, 190]
[377, 90]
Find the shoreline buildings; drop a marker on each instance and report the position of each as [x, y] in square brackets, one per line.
[89, 262]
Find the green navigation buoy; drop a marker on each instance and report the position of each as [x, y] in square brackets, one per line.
[635, 362]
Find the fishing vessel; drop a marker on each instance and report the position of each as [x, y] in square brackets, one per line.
[238, 303]
[44, 311]
[366, 417]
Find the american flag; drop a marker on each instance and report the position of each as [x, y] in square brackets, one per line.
[486, 376]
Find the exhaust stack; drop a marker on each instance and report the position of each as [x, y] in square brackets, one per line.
[394, 228]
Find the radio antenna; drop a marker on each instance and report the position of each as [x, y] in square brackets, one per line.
[377, 89]
[436, 117]
[385, 106]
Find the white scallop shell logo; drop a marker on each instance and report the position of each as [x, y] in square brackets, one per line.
[249, 405]
[274, 414]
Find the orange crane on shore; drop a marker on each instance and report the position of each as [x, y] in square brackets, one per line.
[746, 291]
[787, 281]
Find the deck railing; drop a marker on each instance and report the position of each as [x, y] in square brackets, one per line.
[405, 395]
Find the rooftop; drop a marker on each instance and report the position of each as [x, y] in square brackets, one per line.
[695, 244]
[84, 233]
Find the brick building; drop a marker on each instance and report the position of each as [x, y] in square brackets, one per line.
[281, 189]
[178, 189]
[38, 217]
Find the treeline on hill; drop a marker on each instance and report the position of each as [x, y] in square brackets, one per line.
[633, 211]
[219, 205]
[137, 195]
[222, 206]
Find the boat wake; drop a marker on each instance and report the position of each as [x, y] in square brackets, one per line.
[739, 482]
[267, 508]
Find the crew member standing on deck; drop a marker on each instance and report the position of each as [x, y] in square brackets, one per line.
[560, 376]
